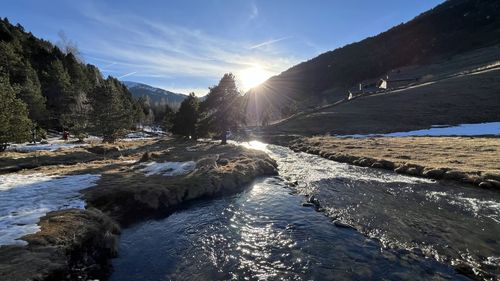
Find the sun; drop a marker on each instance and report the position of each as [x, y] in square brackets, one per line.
[252, 77]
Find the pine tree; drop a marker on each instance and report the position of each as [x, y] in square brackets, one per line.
[75, 117]
[57, 87]
[110, 114]
[186, 117]
[14, 122]
[224, 107]
[30, 92]
[76, 120]
[168, 119]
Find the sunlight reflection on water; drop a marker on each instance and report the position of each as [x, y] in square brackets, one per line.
[254, 144]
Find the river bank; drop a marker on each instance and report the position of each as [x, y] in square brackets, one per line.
[137, 181]
[469, 160]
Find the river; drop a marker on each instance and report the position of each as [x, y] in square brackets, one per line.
[401, 228]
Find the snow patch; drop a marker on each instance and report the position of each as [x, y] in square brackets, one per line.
[147, 133]
[491, 128]
[26, 198]
[27, 147]
[137, 135]
[168, 168]
[155, 129]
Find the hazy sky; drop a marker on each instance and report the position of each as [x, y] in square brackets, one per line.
[188, 45]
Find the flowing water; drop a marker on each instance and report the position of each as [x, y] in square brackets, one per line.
[405, 229]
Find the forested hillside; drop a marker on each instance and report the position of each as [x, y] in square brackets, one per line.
[57, 90]
[155, 95]
[454, 27]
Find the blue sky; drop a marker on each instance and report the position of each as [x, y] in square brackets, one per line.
[188, 45]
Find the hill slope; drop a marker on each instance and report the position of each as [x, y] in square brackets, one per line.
[155, 95]
[454, 27]
[470, 98]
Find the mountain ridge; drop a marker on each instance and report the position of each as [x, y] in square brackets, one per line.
[155, 94]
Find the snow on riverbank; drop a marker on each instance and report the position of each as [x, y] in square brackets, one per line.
[168, 168]
[52, 143]
[145, 133]
[56, 143]
[26, 198]
[27, 147]
[142, 135]
[492, 128]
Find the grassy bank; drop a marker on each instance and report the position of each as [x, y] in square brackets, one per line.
[471, 160]
[128, 194]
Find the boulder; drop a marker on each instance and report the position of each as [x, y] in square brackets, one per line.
[102, 149]
[413, 171]
[387, 164]
[435, 173]
[454, 175]
[494, 183]
[341, 224]
[145, 157]
[377, 165]
[222, 161]
[485, 184]
[365, 162]
[401, 169]
[493, 176]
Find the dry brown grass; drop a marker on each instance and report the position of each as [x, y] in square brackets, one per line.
[458, 153]
[65, 158]
[473, 160]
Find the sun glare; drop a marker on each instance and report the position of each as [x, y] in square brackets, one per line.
[252, 77]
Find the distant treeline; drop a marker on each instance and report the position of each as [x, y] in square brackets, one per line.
[44, 86]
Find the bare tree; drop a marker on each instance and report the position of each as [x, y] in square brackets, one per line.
[68, 46]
